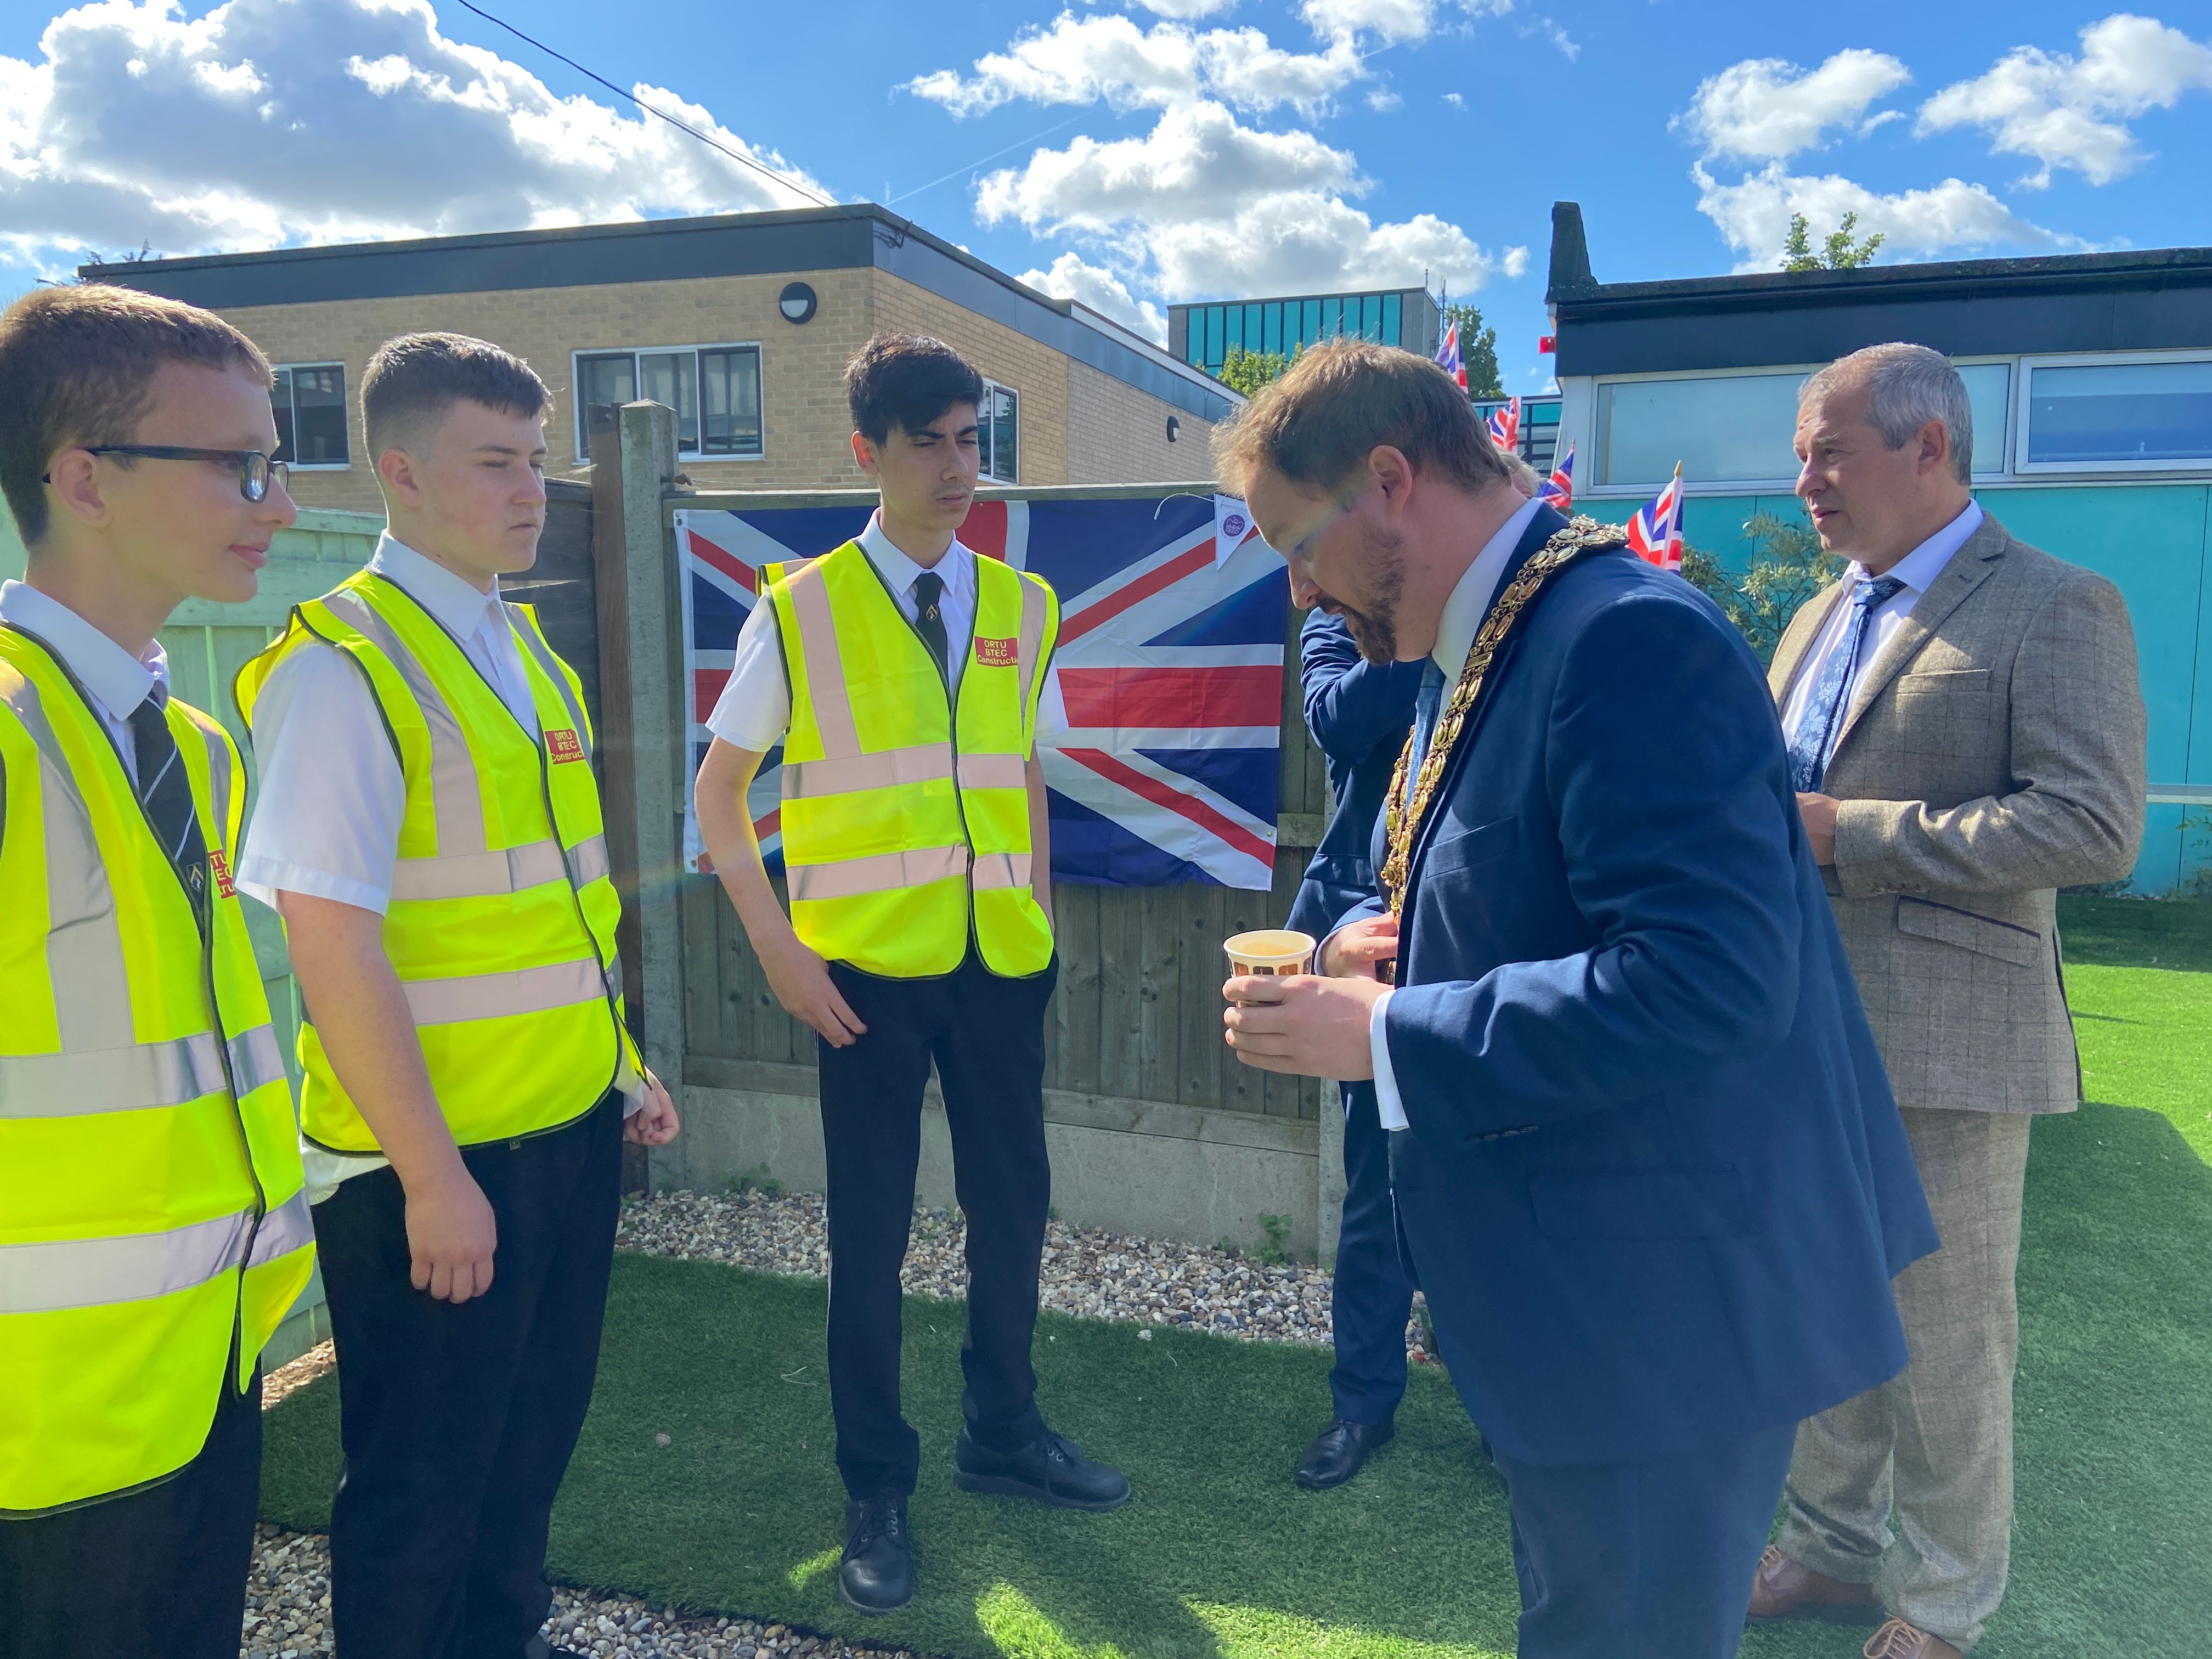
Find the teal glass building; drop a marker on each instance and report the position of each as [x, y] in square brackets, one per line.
[1204, 335]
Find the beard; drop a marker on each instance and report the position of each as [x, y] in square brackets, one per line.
[1375, 625]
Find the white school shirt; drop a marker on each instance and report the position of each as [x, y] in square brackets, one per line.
[753, 711]
[116, 681]
[1918, 570]
[1455, 630]
[326, 820]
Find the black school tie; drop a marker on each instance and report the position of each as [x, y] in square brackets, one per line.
[929, 621]
[167, 794]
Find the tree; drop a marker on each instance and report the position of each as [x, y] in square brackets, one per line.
[1478, 351]
[1838, 252]
[1787, 568]
[1247, 371]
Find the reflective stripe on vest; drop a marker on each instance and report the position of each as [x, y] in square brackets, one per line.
[503, 914]
[156, 1221]
[878, 752]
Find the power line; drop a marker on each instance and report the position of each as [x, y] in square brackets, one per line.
[681, 126]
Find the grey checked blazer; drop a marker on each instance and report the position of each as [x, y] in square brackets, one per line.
[1992, 753]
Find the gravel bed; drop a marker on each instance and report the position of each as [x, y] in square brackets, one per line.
[1086, 1271]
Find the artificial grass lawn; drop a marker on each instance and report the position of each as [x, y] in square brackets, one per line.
[1219, 1555]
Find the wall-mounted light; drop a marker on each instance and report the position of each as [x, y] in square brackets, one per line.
[1174, 427]
[796, 302]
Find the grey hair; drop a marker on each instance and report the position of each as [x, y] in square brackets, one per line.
[1912, 385]
[1526, 479]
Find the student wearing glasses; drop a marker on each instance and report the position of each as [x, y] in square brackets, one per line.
[429, 829]
[153, 1225]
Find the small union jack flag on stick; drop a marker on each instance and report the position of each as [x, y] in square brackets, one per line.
[1505, 427]
[1559, 490]
[1656, 533]
[1448, 355]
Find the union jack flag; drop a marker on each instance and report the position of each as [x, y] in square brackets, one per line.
[1448, 355]
[1559, 490]
[1170, 665]
[1505, 427]
[1656, 533]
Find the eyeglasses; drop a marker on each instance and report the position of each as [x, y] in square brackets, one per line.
[255, 470]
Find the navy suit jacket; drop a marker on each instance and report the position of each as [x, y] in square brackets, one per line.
[1358, 713]
[1654, 1184]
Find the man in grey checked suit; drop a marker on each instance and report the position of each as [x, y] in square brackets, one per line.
[1966, 727]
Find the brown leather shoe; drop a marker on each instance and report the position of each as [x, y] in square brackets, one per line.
[1782, 1589]
[1899, 1640]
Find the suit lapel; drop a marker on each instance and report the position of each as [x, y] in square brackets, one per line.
[1546, 524]
[1968, 569]
[1797, 641]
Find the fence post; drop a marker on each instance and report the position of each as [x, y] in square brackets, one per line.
[642, 739]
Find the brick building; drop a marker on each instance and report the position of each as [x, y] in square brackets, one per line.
[742, 322]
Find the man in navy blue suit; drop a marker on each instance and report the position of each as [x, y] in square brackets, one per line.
[1647, 1164]
[1358, 713]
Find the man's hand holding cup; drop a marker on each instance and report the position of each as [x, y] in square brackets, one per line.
[1282, 1018]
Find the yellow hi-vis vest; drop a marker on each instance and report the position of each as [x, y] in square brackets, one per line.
[906, 824]
[501, 921]
[151, 1205]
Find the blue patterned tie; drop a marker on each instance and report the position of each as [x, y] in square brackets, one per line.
[1426, 704]
[1813, 742]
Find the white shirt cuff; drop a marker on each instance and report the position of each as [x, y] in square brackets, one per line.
[263, 878]
[1389, 1108]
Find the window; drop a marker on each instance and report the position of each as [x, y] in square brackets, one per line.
[309, 400]
[714, 390]
[1989, 393]
[2143, 415]
[1723, 427]
[999, 437]
[1394, 319]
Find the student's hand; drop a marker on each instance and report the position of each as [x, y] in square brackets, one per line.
[652, 1124]
[801, 981]
[1355, 950]
[450, 1234]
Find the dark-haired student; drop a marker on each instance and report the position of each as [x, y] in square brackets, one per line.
[914, 838]
[152, 1226]
[429, 829]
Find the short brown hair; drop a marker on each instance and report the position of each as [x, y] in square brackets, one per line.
[77, 369]
[418, 376]
[1343, 399]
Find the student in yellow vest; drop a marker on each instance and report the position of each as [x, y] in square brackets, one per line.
[152, 1228]
[906, 680]
[429, 829]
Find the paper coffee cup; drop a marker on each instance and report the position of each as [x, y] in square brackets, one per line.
[1271, 951]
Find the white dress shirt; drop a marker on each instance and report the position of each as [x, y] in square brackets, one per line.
[754, 710]
[332, 798]
[1918, 570]
[116, 681]
[326, 821]
[1455, 630]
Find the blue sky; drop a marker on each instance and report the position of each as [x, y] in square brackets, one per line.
[1130, 156]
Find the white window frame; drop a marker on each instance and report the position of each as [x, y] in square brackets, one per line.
[576, 377]
[983, 417]
[2016, 424]
[345, 407]
[2024, 375]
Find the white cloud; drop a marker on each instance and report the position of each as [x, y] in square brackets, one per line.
[1390, 19]
[1203, 205]
[1456, 100]
[1107, 59]
[274, 121]
[1952, 217]
[1383, 101]
[1570, 48]
[1186, 10]
[1766, 109]
[1070, 278]
[2069, 112]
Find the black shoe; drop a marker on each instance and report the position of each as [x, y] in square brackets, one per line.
[1339, 1450]
[1052, 1469]
[875, 1574]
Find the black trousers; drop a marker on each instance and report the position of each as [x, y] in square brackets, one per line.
[985, 1035]
[1370, 1299]
[160, 1574]
[457, 1422]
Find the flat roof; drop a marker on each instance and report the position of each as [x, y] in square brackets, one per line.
[852, 236]
[2149, 300]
